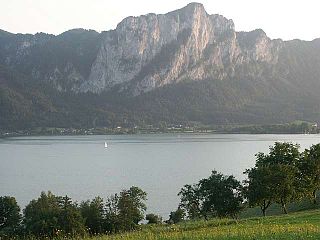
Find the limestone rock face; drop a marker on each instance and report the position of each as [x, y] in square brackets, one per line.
[150, 51]
[142, 53]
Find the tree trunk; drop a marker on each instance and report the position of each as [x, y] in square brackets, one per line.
[264, 207]
[284, 207]
[205, 216]
[263, 211]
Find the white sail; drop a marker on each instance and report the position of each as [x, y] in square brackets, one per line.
[105, 144]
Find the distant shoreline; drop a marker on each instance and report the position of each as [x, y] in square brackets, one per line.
[297, 127]
[150, 133]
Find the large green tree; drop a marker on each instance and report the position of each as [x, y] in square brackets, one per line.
[259, 187]
[276, 177]
[281, 153]
[94, 214]
[70, 218]
[222, 195]
[125, 210]
[310, 170]
[286, 187]
[218, 195]
[10, 217]
[51, 215]
[191, 201]
[41, 216]
[132, 205]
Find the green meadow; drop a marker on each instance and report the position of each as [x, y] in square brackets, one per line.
[299, 225]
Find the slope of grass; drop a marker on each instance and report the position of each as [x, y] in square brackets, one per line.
[275, 209]
[300, 225]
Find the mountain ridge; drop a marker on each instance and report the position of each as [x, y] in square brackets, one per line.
[182, 66]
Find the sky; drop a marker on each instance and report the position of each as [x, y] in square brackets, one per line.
[278, 18]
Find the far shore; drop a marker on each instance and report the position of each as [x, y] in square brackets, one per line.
[135, 131]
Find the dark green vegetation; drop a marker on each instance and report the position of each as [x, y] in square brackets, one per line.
[289, 128]
[282, 177]
[285, 176]
[295, 226]
[57, 216]
[153, 218]
[49, 215]
[33, 93]
[216, 196]
[10, 217]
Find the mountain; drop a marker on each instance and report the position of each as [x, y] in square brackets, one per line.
[180, 67]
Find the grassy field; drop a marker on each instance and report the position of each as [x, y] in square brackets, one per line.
[299, 225]
[275, 209]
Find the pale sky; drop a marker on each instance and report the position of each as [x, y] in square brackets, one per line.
[278, 18]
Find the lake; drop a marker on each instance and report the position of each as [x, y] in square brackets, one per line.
[160, 164]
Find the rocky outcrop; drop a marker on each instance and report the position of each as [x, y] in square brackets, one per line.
[141, 54]
[150, 51]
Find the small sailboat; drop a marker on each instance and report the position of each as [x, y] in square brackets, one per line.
[105, 145]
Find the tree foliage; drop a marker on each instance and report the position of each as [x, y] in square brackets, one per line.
[131, 205]
[153, 218]
[218, 195]
[52, 215]
[259, 188]
[177, 216]
[10, 217]
[276, 177]
[310, 170]
[94, 215]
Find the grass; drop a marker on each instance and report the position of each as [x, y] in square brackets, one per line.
[275, 209]
[295, 226]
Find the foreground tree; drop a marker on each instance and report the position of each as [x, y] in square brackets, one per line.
[41, 215]
[310, 171]
[218, 195]
[124, 211]
[281, 153]
[94, 216]
[285, 185]
[131, 206]
[191, 201]
[70, 218]
[222, 195]
[112, 219]
[10, 217]
[275, 177]
[51, 215]
[259, 188]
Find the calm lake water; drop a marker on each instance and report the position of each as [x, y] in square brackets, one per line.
[82, 168]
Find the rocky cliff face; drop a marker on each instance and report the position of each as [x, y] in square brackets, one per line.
[150, 51]
[141, 54]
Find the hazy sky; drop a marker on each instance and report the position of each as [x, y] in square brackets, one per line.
[278, 18]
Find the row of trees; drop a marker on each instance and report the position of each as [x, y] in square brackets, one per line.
[218, 195]
[52, 216]
[282, 176]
